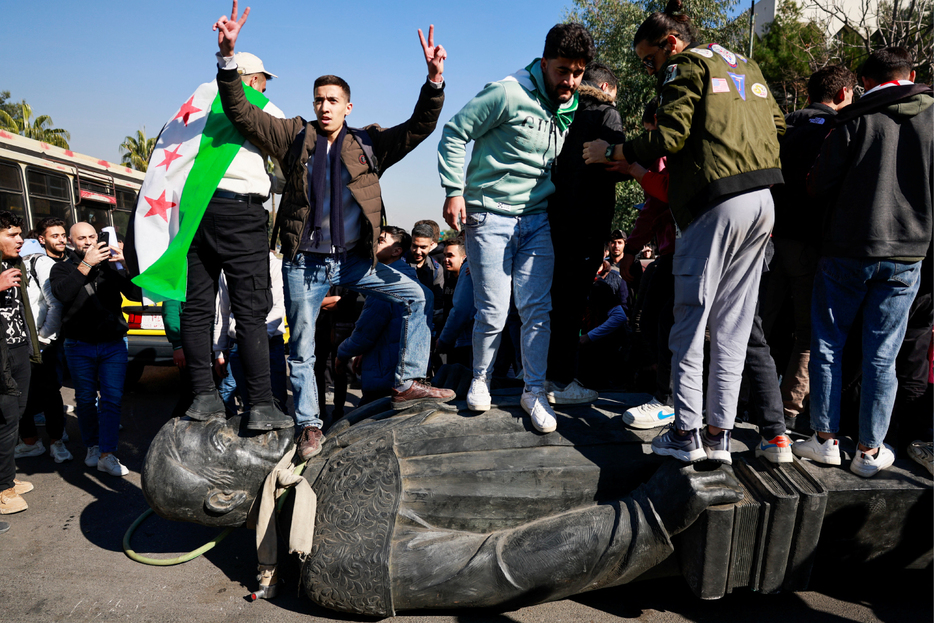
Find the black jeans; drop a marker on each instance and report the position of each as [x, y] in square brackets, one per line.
[232, 237]
[656, 321]
[11, 410]
[45, 394]
[576, 264]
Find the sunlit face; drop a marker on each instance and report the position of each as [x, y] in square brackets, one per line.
[420, 249]
[83, 237]
[386, 249]
[453, 258]
[331, 108]
[562, 77]
[11, 241]
[54, 240]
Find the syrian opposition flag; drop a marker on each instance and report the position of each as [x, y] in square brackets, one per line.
[189, 160]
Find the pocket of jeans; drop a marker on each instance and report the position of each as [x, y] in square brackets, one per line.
[690, 280]
[906, 274]
[262, 296]
[476, 219]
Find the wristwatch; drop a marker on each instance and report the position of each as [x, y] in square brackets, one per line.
[609, 152]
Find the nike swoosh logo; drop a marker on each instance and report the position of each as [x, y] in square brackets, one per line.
[662, 415]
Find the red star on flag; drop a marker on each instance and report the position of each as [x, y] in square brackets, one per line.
[186, 110]
[160, 206]
[169, 157]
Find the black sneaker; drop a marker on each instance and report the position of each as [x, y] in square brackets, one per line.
[717, 447]
[265, 416]
[205, 406]
[687, 448]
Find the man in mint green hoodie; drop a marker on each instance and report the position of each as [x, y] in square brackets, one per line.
[518, 126]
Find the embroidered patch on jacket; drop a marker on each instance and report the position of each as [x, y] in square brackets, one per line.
[720, 85]
[670, 74]
[817, 120]
[702, 52]
[740, 81]
[728, 56]
[362, 159]
[759, 90]
[742, 58]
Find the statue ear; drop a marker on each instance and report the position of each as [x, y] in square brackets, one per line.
[222, 502]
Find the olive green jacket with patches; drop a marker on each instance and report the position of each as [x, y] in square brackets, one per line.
[718, 124]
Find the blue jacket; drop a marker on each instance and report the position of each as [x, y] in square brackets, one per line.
[377, 333]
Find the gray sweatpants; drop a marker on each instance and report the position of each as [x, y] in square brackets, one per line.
[717, 267]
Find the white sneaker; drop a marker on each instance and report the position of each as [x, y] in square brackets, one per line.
[110, 465]
[536, 405]
[478, 397]
[650, 415]
[94, 455]
[59, 452]
[827, 452]
[23, 450]
[867, 466]
[573, 394]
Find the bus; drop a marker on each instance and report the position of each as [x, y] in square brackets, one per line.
[38, 180]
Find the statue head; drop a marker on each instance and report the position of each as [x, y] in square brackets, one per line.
[209, 472]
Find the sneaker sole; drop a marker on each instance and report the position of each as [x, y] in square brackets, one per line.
[632, 422]
[576, 401]
[869, 473]
[694, 456]
[28, 455]
[62, 459]
[817, 458]
[773, 457]
[479, 407]
[719, 456]
[402, 405]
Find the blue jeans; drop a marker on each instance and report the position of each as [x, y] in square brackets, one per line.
[884, 291]
[307, 280]
[511, 256]
[98, 367]
[235, 381]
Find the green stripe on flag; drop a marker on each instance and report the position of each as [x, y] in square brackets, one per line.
[167, 277]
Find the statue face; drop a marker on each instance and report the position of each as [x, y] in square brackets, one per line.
[209, 472]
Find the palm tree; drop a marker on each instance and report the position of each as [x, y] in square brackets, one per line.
[40, 129]
[137, 149]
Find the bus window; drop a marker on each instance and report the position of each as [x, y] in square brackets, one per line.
[11, 190]
[94, 213]
[126, 201]
[48, 196]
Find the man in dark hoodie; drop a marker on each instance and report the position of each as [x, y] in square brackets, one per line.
[797, 215]
[875, 169]
[580, 213]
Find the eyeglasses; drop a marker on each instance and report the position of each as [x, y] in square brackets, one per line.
[649, 60]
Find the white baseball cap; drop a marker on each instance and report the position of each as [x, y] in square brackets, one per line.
[250, 64]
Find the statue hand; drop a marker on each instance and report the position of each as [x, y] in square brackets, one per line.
[680, 494]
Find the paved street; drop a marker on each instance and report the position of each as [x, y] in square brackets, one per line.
[63, 561]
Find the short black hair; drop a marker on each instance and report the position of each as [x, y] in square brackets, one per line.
[327, 80]
[8, 220]
[456, 242]
[400, 237]
[598, 73]
[891, 63]
[570, 41]
[827, 82]
[50, 221]
[435, 229]
[423, 230]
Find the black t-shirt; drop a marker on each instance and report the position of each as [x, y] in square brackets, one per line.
[11, 308]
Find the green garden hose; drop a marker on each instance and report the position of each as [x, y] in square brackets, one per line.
[168, 562]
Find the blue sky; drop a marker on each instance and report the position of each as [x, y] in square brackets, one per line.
[103, 69]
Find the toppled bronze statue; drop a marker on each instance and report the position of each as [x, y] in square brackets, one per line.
[440, 509]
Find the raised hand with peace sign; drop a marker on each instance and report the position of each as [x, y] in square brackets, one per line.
[228, 29]
[434, 55]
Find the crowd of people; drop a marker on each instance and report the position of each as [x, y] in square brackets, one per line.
[777, 272]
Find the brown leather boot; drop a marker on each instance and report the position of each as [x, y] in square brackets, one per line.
[420, 393]
[309, 442]
[11, 502]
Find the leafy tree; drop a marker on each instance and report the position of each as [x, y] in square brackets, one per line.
[5, 105]
[789, 52]
[136, 150]
[613, 24]
[22, 123]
